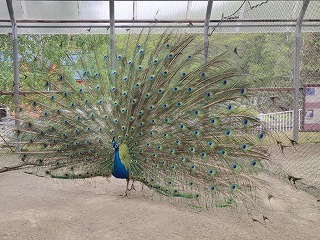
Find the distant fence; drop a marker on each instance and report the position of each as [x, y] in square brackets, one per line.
[279, 121]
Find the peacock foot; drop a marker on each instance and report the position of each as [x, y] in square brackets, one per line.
[125, 193]
[129, 189]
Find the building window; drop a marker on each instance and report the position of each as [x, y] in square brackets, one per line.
[309, 113]
[310, 91]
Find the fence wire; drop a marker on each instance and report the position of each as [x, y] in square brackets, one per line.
[267, 60]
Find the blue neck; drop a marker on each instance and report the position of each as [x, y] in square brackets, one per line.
[119, 170]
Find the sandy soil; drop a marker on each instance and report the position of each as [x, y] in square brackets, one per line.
[40, 208]
[302, 161]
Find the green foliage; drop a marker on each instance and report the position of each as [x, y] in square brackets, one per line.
[310, 70]
[267, 59]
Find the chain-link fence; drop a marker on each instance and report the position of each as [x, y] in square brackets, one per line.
[6, 88]
[267, 57]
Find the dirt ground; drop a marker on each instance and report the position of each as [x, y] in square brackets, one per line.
[39, 208]
[301, 161]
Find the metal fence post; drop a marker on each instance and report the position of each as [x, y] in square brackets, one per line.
[297, 71]
[206, 30]
[16, 87]
[112, 35]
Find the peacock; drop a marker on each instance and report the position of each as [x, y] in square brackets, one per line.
[155, 112]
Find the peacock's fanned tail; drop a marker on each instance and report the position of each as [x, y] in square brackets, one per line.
[180, 122]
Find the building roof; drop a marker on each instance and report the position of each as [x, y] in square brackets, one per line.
[78, 17]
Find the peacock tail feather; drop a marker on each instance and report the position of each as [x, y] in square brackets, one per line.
[179, 123]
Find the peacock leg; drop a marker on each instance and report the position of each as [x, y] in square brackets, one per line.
[127, 188]
[132, 186]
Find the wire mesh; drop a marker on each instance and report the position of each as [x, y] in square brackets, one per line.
[6, 70]
[266, 54]
[268, 60]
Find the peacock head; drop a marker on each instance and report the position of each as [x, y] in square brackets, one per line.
[115, 145]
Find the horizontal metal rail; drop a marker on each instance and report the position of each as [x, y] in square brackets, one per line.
[29, 92]
[277, 89]
[158, 21]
